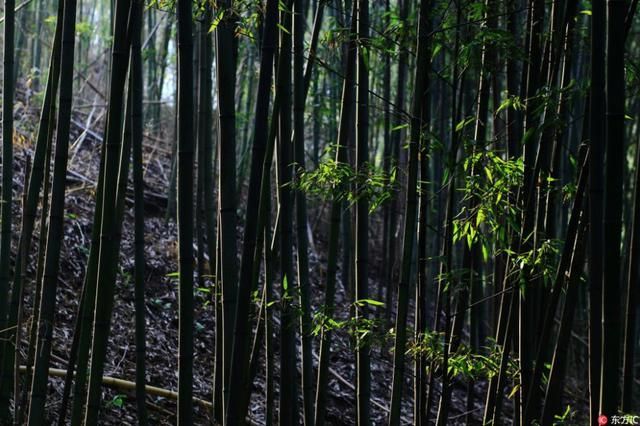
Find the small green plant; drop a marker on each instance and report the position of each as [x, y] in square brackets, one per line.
[464, 362]
[204, 294]
[117, 401]
[161, 304]
[321, 321]
[367, 331]
[566, 418]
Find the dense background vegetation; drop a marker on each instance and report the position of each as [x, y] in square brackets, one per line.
[319, 212]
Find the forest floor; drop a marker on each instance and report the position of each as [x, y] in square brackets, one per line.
[161, 296]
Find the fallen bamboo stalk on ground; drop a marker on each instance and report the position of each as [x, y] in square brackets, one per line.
[116, 383]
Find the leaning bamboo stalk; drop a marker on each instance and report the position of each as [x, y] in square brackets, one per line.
[532, 407]
[22, 267]
[116, 165]
[556, 382]
[34, 184]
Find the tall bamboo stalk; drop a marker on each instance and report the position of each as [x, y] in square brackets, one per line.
[116, 160]
[8, 88]
[185, 211]
[421, 84]
[596, 199]
[346, 111]
[225, 70]
[288, 380]
[45, 132]
[56, 222]
[614, 125]
[363, 348]
[136, 88]
[302, 236]
[251, 245]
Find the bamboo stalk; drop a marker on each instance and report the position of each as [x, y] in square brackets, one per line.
[116, 383]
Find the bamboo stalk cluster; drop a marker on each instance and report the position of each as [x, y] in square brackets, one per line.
[432, 204]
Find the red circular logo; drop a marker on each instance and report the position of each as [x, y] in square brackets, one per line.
[603, 420]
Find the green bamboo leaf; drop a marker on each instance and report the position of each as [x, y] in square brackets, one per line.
[372, 302]
[216, 21]
[399, 127]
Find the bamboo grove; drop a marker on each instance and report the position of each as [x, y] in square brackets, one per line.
[385, 212]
